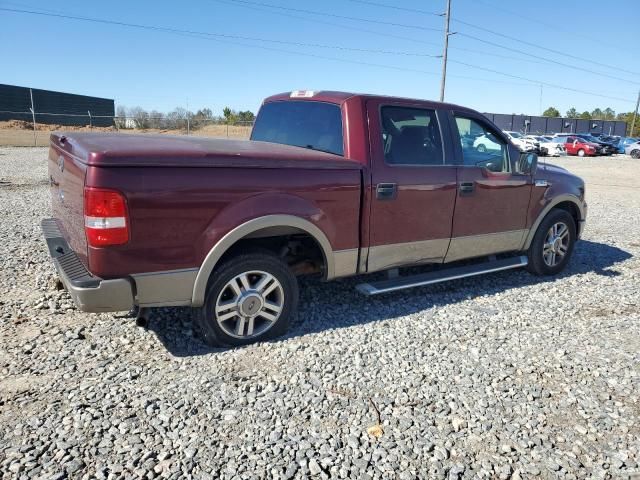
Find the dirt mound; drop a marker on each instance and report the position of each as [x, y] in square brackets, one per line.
[24, 125]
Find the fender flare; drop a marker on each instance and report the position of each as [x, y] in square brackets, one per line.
[556, 201]
[251, 226]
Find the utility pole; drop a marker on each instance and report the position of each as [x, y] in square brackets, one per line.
[33, 116]
[447, 17]
[541, 112]
[635, 115]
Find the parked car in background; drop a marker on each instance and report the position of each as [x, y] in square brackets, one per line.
[633, 150]
[547, 147]
[523, 144]
[225, 226]
[575, 145]
[624, 142]
[486, 143]
[607, 147]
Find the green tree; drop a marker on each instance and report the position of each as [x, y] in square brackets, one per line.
[247, 116]
[585, 115]
[229, 115]
[572, 113]
[551, 112]
[609, 113]
[628, 117]
[597, 114]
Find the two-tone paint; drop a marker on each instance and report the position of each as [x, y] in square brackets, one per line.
[192, 199]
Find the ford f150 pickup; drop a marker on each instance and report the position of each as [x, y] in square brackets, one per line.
[331, 183]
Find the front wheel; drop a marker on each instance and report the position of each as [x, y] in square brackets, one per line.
[635, 154]
[250, 298]
[581, 153]
[552, 244]
[481, 148]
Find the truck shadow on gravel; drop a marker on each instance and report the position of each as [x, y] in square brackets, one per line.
[332, 305]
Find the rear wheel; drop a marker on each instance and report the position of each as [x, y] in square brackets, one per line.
[552, 244]
[251, 297]
[481, 148]
[581, 153]
[635, 153]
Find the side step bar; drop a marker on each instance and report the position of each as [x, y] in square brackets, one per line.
[437, 276]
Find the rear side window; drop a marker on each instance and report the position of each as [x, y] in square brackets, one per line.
[411, 136]
[313, 125]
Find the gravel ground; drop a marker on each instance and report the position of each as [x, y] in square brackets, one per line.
[503, 376]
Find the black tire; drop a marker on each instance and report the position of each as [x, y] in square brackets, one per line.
[581, 153]
[255, 263]
[536, 253]
[635, 154]
[481, 148]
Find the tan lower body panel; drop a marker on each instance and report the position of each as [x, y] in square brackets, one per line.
[345, 262]
[413, 253]
[479, 245]
[170, 288]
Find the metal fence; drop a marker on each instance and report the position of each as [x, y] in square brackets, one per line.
[529, 124]
[27, 129]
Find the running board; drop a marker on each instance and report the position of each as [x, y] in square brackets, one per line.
[437, 276]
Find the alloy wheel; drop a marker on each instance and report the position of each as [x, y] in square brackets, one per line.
[556, 244]
[249, 304]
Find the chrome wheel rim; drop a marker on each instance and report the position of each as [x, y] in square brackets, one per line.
[556, 244]
[249, 304]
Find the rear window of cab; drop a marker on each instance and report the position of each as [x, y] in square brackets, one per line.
[312, 125]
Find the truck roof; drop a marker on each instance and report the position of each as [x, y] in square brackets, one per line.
[329, 96]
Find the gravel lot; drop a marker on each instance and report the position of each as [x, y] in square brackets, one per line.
[503, 376]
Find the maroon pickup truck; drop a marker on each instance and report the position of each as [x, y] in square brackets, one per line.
[334, 184]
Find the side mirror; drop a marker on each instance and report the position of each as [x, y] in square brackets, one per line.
[527, 163]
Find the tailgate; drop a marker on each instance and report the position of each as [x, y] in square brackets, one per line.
[66, 178]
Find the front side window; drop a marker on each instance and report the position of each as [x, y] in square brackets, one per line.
[481, 146]
[312, 125]
[411, 136]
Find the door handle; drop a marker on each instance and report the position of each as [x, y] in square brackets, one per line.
[466, 188]
[386, 191]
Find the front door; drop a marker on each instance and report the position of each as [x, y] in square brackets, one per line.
[413, 185]
[492, 198]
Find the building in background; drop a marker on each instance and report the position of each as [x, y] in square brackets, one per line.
[56, 108]
[540, 125]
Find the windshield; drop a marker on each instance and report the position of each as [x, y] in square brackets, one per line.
[515, 134]
[313, 125]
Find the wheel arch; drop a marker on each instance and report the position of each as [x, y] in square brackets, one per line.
[567, 202]
[246, 230]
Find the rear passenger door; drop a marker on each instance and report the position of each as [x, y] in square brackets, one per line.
[413, 184]
[492, 197]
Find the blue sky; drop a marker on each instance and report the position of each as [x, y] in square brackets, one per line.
[159, 70]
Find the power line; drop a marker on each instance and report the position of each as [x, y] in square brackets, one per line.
[223, 38]
[558, 52]
[538, 82]
[396, 7]
[544, 59]
[222, 35]
[333, 15]
[546, 24]
[374, 32]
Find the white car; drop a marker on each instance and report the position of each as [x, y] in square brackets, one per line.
[633, 150]
[483, 144]
[548, 147]
[520, 141]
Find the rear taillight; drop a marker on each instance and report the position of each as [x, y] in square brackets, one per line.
[106, 219]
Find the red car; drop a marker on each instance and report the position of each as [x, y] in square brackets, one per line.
[579, 146]
[332, 184]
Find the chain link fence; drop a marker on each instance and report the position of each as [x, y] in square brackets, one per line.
[33, 128]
